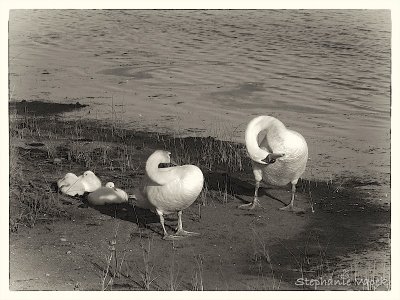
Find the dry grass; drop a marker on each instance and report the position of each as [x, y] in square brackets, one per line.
[95, 147]
[197, 278]
[174, 276]
[114, 263]
[262, 258]
[147, 272]
[31, 200]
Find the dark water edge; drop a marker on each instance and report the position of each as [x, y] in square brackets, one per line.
[42, 108]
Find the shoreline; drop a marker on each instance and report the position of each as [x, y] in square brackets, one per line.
[286, 239]
[375, 189]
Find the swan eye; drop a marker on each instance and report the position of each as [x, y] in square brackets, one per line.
[272, 161]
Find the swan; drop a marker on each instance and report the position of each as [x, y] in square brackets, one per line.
[280, 158]
[69, 185]
[107, 194]
[170, 190]
[73, 185]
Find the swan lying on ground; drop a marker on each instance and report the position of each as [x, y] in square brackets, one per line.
[107, 194]
[69, 185]
[279, 159]
[73, 185]
[169, 190]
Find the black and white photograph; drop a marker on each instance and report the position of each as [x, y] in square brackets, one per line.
[200, 149]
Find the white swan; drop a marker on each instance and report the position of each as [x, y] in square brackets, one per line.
[73, 185]
[107, 194]
[170, 190]
[69, 184]
[279, 159]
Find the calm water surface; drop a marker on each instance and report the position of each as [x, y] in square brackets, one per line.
[325, 73]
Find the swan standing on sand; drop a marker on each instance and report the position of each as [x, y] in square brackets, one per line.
[171, 190]
[73, 185]
[279, 159]
[107, 194]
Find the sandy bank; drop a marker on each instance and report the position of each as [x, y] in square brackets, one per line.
[237, 250]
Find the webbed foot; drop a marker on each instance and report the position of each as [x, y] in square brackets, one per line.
[293, 209]
[184, 233]
[172, 237]
[252, 205]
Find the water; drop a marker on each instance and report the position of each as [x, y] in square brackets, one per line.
[324, 73]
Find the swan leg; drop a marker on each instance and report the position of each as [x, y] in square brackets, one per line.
[167, 237]
[161, 216]
[256, 202]
[180, 231]
[291, 207]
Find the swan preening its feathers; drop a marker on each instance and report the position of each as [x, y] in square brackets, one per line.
[169, 190]
[73, 185]
[280, 158]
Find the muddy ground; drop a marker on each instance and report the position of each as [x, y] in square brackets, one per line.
[59, 242]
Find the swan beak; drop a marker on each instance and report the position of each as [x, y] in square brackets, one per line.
[272, 157]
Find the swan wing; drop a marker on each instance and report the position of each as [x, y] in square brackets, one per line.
[292, 165]
[68, 179]
[90, 182]
[180, 192]
[73, 189]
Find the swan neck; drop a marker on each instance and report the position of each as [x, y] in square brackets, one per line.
[154, 173]
[262, 123]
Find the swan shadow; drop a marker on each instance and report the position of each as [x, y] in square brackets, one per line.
[144, 218]
[236, 186]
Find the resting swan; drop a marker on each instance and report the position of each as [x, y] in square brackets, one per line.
[107, 194]
[279, 159]
[73, 185]
[170, 190]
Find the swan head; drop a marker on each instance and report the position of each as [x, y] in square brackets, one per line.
[110, 185]
[88, 177]
[272, 157]
[90, 181]
[267, 158]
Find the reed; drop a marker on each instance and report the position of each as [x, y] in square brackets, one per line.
[197, 278]
[147, 273]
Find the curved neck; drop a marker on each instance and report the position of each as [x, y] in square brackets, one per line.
[255, 126]
[154, 173]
